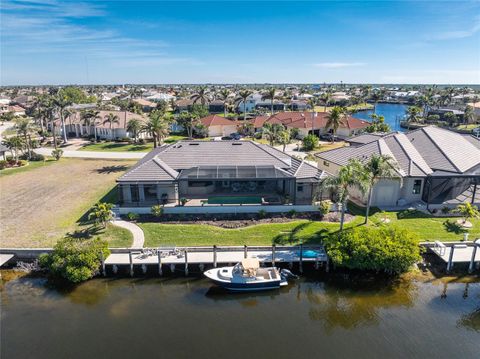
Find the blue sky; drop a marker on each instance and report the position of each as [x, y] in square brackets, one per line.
[81, 42]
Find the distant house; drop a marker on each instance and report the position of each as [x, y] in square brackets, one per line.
[146, 105]
[216, 106]
[246, 175]
[75, 126]
[250, 104]
[443, 111]
[437, 167]
[15, 109]
[267, 105]
[219, 126]
[298, 105]
[183, 105]
[311, 122]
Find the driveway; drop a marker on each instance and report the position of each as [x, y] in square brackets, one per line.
[94, 154]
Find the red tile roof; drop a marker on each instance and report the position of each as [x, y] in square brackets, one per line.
[215, 120]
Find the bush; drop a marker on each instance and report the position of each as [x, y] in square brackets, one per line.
[183, 201]
[262, 213]
[57, 154]
[445, 210]
[3, 164]
[33, 156]
[310, 142]
[75, 259]
[141, 141]
[324, 207]
[157, 211]
[292, 213]
[22, 163]
[393, 250]
[132, 216]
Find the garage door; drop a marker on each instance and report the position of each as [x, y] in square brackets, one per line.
[385, 195]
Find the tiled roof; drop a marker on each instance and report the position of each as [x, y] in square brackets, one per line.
[215, 120]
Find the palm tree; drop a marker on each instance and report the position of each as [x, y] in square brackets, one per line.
[376, 168]
[334, 120]
[202, 95]
[413, 115]
[376, 96]
[15, 144]
[270, 94]
[111, 118]
[24, 129]
[272, 131]
[469, 115]
[224, 96]
[89, 119]
[134, 126]
[351, 176]
[285, 138]
[243, 96]
[158, 126]
[326, 98]
[61, 102]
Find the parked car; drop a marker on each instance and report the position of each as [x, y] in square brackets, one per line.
[328, 137]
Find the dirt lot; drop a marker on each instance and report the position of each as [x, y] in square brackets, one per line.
[41, 205]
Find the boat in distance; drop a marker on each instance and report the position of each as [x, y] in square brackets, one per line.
[248, 276]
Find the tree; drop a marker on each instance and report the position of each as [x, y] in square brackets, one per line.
[225, 96]
[310, 142]
[391, 250]
[158, 126]
[162, 106]
[348, 177]
[451, 118]
[326, 97]
[378, 167]
[75, 259]
[413, 115]
[24, 129]
[378, 124]
[334, 120]
[376, 96]
[469, 115]
[467, 211]
[271, 132]
[188, 121]
[76, 95]
[284, 138]
[242, 97]
[89, 118]
[111, 118]
[14, 144]
[61, 102]
[202, 95]
[134, 126]
[101, 212]
[270, 94]
[7, 116]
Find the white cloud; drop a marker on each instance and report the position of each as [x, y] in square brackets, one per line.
[458, 34]
[338, 65]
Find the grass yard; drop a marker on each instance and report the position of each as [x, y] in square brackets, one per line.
[329, 146]
[43, 204]
[31, 166]
[117, 147]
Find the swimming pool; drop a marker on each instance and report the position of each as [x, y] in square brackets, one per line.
[234, 200]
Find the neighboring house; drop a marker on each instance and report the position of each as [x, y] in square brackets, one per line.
[308, 122]
[437, 167]
[218, 126]
[251, 102]
[216, 106]
[297, 105]
[214, 173]
[15, 109]
[183, 105]
[75, 126]
[443, 111]
[146, 105]
[363, 139]
[267, 105]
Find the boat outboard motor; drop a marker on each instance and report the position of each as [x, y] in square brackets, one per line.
[285, 274]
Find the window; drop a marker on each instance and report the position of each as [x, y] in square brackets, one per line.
[326, 163]
[135, 193]
[300, 188]
[417, 186]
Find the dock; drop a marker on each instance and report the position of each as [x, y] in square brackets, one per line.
[4, 258]
[452, 253]
[171, 257]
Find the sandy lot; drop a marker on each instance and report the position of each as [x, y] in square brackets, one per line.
[41, 205]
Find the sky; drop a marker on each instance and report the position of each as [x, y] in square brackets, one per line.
[120, 41]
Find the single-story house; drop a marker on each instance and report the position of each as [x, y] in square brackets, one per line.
[308, 122]
[437, 167]
[218, 173]
[183, 105]
[75, 126]
[146, 105]
[219, 126]
[216, 106]
[15, 109]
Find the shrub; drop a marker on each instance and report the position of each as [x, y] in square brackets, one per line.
[141, 141]
[183, 201]
[157, 210]
[392, 250]
[467, 211]
[22, 163]
[33, 156]
[310, 142]
[101, 212]
[3, 164]
[75, 259]
[57, 154]
[132, 216]
[445, 210]
[292, 213]
[324, 207]
[262, 213]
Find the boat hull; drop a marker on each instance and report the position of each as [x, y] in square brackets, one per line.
[241, 287]
[222, 278]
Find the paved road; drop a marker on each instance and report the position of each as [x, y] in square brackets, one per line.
[93, 154]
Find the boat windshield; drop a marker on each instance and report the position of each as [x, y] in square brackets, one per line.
[241, 270]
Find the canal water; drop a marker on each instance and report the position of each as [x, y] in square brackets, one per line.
[189, 318]
[393, 114]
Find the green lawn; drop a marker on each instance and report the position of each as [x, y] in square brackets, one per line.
[118, 147]
[428, 228]
[31, 166]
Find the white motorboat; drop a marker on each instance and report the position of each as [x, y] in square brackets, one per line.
[248, 276]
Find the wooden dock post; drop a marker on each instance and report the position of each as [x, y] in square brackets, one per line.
[186, 262]
[103, 264]
[214, 256]
[131, 263]
[273, 255]
[327, 265]
[245, 251]
[472, 260]
[159, 254]
[450, 259]
[300, 264]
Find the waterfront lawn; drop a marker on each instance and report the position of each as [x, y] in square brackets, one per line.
[43, 204]
[117, 147]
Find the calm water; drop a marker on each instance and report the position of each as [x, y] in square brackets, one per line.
[188, 318]
[391, 112]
